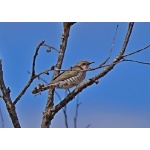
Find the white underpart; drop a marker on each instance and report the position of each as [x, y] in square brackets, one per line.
[71, 82]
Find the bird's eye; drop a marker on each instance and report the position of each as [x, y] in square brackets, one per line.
[84, 64]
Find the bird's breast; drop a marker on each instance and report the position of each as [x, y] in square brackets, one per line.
[71, 82]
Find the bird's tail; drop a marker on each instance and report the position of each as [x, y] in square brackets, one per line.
[41, 88]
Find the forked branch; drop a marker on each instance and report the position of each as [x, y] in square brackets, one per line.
[47, 116]
[92, 80]
[33, 76]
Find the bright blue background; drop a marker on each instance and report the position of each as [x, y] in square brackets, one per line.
[122, 97]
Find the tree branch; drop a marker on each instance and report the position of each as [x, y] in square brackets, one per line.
[50, 47]
[113, 42]
[137, 51]
[34, 58]
[35, 90]
[6, 97]
[65, 116]
[130, 27]
[76, 112]
[135, 61]
[90, 81]
[32, 77]
[47, 116]
[64, 110]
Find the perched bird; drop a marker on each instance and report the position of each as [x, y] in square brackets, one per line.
[67, 79]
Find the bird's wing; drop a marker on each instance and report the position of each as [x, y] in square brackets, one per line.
[66, 74]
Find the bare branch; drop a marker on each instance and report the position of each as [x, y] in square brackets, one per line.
[64, 110]
[45, 72]
[23, 91]
[6, 97]
[113, 42]
[47, 116]
[65, 116]
[32, 77]
[34, 58]
[135, 61]
[91, 81]
[90, 69]
[50, 48]
[126, 40]
[76, 112]
[137, 51]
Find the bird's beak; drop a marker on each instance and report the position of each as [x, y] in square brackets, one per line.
[92, 62]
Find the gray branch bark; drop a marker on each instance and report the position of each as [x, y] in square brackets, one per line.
[47, 115]
[7, 99]
[53, 110]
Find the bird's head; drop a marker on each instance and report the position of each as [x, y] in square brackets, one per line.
[84, 64]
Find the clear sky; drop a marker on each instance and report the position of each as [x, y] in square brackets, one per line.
[122, 97]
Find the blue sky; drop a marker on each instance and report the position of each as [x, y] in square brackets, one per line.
[122, 97]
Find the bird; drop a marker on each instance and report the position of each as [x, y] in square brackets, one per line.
[68, 78]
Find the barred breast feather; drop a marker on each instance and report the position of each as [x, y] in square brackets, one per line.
[69, 78]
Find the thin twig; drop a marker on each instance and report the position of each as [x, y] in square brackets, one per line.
[43, 80]
[38, 75]
[23, 91]
[137, 51]
[113, 42]
[65, 116]
[64, 110]
[135, 61]
[94, 68]
[32, 77]
[51, 47]
[35, 56]
[44, 72]
[76, 112]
